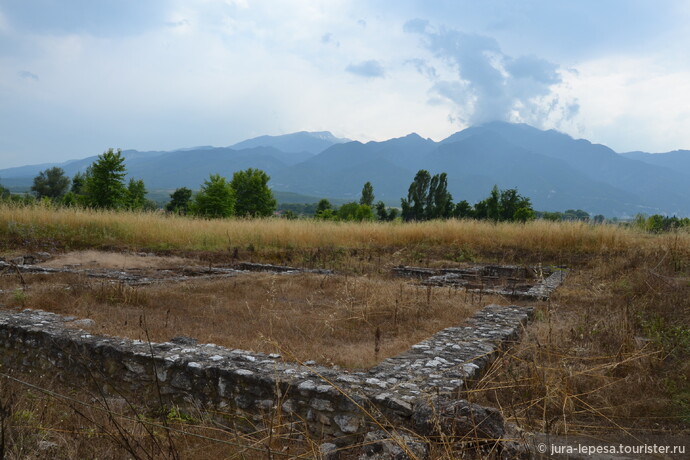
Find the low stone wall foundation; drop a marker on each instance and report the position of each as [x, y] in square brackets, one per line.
[419, 389]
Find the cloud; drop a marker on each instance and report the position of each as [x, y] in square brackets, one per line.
[416, 26]
[423, 68]
[180, 23]
[25, 74]
[369, 69]
[101, 18]
[533, 67]
[488, 84]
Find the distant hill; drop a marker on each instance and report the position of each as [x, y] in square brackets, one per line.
[301, 142]
[556, 171]
[678, 160]
[483, 158]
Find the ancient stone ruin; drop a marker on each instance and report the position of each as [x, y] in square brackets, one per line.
[418, 389]
[513, 281]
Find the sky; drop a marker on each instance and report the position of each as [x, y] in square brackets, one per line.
[80, 76]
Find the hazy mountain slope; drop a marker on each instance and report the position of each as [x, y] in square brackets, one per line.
[342, 169]
[180, 168]
[657, 188]
[191, 168]
[482, 158]
[406, 152]
[677, 161]
[71, 167]
[302, 142]
[556, 171]
[346, 182]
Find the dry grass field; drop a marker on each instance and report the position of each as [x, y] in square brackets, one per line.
[332, 319]
[607, 355]
[77, 228]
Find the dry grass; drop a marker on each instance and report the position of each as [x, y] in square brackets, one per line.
[331, 319]
[89, 228]
[67, 425]
[609, 353]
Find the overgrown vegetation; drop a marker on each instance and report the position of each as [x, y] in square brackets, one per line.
[608, 353]
[330, 319]
[551, 242]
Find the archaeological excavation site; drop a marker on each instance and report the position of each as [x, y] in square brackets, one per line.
[390, 365]
[426, 351]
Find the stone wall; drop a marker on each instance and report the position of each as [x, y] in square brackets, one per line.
[419, 389]
[512, 281]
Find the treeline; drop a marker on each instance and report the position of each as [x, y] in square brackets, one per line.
[427, 199]
[572, 215]
[103, 186]
[247, 194]
[660, 224]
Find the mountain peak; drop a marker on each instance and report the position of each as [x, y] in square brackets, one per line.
[303, 141]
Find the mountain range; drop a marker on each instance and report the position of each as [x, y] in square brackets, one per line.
[556, 171]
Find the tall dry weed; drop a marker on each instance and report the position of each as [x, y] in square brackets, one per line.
[76, 227]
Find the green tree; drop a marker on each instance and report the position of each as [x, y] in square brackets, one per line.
[328, 214]
[364, 212]
[355, 211]
[439, 200]
[489, 208]
[384, 214]
[252, 194]
[104, 186]
[523, 215]
[552, 216]
[575, 214]
[503, 205]
[463, 210]
[367, 195]
[493, 209]
[323, 205]
[136, 194]
[428, 198]
[4, 193]
[511, 202]
[78, 182]
[324, 210]
[481, 210]
[69, 199]
[180, 201]
[51, 183]
[215, 199]
[417, 197]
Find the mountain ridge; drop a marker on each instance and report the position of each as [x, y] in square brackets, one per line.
[555, 170]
